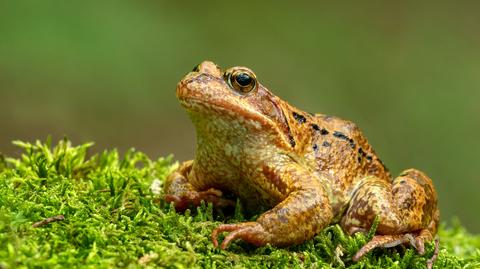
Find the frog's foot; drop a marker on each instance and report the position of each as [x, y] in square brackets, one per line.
[251, 232]
[416, 240]
[194, 198]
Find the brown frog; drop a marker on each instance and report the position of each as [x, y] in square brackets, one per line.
[308, 170]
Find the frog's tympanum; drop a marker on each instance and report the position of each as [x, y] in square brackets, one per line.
[305, 170]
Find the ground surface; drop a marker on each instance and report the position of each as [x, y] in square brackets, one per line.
[108, 215]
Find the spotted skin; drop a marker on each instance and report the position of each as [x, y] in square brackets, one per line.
[303, 171]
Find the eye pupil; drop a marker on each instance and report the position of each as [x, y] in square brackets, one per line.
[243, 79]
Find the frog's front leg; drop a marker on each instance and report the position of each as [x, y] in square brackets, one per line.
[183, 194]
[304, 212]
[407, 209]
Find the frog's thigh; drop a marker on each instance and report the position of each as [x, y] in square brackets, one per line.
[407, 204]
[182, 193]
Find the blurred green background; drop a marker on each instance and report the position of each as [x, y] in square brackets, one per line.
[408, 73]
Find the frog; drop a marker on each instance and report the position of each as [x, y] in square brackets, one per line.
[302, 171]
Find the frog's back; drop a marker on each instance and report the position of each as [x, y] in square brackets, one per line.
[342, 150]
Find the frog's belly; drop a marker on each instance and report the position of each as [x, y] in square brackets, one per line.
[257, 200]
[253, 198]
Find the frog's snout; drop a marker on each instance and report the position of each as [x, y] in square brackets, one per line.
[191, 83]
[195, 84]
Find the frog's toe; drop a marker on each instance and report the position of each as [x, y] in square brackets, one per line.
[251, 232]
[388, 241]
[180, 203]
[432, 260]
[215, 197]
[194, 198]
[423, 236]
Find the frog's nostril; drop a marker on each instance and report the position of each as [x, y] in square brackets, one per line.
[196, 68]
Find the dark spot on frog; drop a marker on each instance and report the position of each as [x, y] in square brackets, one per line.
[340, 135]
[362, 153]
[359, 159]
[325, 144]
[287, 129]
[315, 147]
[323, 131]
[315, 127]
[300, 118]
[352, 143]
[369, 158]
[292, 140]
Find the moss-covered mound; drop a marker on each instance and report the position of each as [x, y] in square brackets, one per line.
[61, 208]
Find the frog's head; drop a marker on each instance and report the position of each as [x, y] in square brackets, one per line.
[232, 99]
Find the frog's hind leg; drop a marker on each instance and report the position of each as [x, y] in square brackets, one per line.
[407, 209]
[183, 194]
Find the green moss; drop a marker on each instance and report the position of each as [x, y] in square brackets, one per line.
[113, 219]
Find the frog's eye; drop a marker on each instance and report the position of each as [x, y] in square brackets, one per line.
[243, 81]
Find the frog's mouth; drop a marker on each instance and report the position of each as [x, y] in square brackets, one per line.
[225, 109]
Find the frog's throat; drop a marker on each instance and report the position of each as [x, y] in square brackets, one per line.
[199, 108]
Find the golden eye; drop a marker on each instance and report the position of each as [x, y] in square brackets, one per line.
[243, 81]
